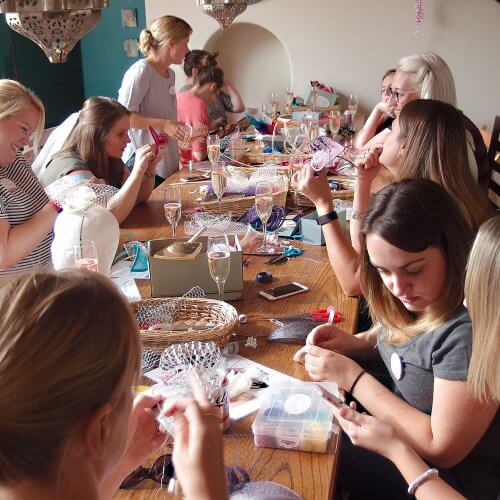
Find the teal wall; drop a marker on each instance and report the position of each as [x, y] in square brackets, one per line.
[103, 60]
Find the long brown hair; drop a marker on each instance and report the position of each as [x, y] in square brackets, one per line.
[69, 345]
[413, 215]
[88, 137]
[434, 147]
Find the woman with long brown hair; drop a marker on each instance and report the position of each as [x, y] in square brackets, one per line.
[426, 141]
[415, 244]
[94, 148]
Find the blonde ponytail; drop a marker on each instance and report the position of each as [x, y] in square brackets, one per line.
[164, 29]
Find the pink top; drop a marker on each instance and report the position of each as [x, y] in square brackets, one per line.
[193, 111]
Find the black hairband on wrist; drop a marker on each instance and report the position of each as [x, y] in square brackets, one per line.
[360, 374]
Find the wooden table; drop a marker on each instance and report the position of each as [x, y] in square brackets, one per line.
[311, 475]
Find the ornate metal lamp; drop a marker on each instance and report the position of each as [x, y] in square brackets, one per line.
[54, 25]
[224, 11]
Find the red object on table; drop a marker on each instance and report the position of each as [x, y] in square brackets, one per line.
[323, 315]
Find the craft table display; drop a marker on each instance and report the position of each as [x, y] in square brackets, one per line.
[311, 475]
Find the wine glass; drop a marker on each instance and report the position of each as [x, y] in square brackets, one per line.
[313, 97]
[219, 261]
[334, 122]
[289, 96]
[273, 104]
[172, 205]
[82, 256]
[264, 206]
[219, 180]
[213, 148]
[295, 165]
[353, 103]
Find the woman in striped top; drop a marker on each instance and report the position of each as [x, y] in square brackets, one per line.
[26, 214]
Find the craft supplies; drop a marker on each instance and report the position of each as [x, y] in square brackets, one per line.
[263, 277]
[293, 418]
[181, 250]
[287, 253]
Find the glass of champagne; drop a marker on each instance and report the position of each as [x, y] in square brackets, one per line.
[295, 166]
[273, 104]
[219, 261]
[334, 122]
[213, 148]
[219, 180]
[264, 206]
[172, 206]
[289, 97]
[82, 256]
[313, 97]
[353, 103]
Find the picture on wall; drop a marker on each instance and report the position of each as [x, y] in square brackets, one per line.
[129, 18]
[131, 47]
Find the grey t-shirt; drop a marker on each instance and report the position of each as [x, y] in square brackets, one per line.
[445, 353]
[146, 92]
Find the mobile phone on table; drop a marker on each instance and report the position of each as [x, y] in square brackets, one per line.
[280, 292]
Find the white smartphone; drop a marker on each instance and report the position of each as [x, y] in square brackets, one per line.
[280, 292]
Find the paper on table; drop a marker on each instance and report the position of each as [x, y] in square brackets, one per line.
[128, 287]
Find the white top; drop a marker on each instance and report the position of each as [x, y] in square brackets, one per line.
[146, 92]
[21, 197]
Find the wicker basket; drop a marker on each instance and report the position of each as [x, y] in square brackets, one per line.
[277, 158]
[220, 318]
[238, 205]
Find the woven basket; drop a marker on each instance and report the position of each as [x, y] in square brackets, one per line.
[221, 315]
[238, 205]
[277, 158]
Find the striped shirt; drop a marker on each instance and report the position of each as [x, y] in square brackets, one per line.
[21, 197]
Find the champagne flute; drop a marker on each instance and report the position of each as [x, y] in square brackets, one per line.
[219, 261]
[295, 165]
[264, 206]
[289, 96]
[219, 180]
[82, 256]
[213, 148]
[353, 103]
[313, 97]
[172, 206]
[273, 104]
[334, 122]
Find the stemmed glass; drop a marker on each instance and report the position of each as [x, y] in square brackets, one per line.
[334, 122]
[219, 180]
[219, 261]
[213, 148]
[353, 103]
[82, 256]
[289, 96]
[313, 97]
[273, 104]
[295, 165]
[264, 207]
[172, 206]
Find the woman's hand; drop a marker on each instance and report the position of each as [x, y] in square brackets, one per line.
[198, 455]
[332, 338]
[144, 434]
[145, 156]
[369, 166]
[173, 129]
[316, 188]
[322, 364]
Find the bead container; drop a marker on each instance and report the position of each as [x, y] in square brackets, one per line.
[293, 418]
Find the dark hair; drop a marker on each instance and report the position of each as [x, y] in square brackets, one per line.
[194, 60]
[210, 74]
[87, 139]
[435, 148]
[413, 215]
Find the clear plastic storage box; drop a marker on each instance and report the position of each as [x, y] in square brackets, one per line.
[294, 418]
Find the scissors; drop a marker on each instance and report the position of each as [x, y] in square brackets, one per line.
[288, 252]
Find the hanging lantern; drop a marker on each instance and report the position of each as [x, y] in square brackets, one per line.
[223, 11]
[54, 25]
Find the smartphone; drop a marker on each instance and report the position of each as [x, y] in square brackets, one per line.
[280, 292]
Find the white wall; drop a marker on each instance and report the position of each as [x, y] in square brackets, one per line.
[350, 44]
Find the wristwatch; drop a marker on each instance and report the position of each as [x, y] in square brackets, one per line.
[325, 219]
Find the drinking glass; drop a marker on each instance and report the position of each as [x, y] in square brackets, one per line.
[334, 122]
[289, 96]
[219, 180]
[273, 104]
[82, 256]
[219, 261]
[313, 97]
[295, 165]
[172, 206]
[264, 206]
[353, 103]
[213, 148]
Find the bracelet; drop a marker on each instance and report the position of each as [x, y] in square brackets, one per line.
[360, 374]
[428, 474]
[358, 215]
[55, 206]
[325, 219]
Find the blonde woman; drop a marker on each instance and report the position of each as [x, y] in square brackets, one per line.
[483, 379]
[415, 246]
[427, 76]
[148, 90]
[26, 214]
[417, 146]
[69, 429]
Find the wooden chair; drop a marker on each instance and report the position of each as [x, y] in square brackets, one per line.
[494, 161]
